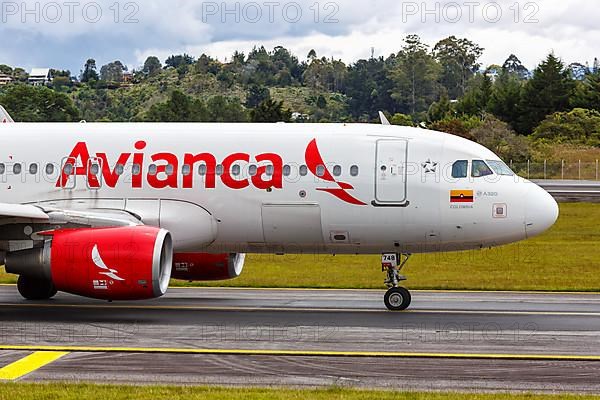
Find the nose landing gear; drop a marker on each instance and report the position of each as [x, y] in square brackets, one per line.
[396, 298]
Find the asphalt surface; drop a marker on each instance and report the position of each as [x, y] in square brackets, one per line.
[572, 191]
[448, 340]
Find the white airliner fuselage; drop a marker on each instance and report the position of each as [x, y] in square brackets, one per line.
[280, 188]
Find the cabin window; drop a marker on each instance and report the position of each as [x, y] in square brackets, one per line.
[220, 170]
[287, 170]
[33, 169]
[136, 169]
[68, 169]
[170, 169]
[303, 170]
[337, 170]
[94, 169]
[270, 170]
[49, 169]
[2, 169]
[186, 170]
[253, 170]
[320, 171]
[152, 170]
[459, 169]
[500, 168]
[119, 169]
[354, 170]
[480, 169]
[17, 168]
[236, 170]
[202, 169]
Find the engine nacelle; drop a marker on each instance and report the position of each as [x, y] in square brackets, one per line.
[207, 267]
[124, 263]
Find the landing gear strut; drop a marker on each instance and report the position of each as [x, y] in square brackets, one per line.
[396, 298]
[35, 288]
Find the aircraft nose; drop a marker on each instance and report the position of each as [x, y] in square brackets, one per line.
[541, 211]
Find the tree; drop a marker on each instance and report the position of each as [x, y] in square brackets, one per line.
[484, 95]
[476, 100]
[5, 69]
[61, 79]
[587, 93]
[89, 73]
[579, 126]
[497, 136]
[256, 95]
[506, 97]
[113, 72]
[321, 102]
[206, 64]
[175, 61]
[270, 111]
[458, 59]
[440, 109]
[179, 108]
[152, 65]
[38, 104]
[20, 74]
[547, 92]
[225, 109]
[414, 74]
[368, 86]
[513, 66]
[401, 120]
[456, 126]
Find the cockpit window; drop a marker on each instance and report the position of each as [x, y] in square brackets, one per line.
[500, 168]
[480, 169]
[460, 168]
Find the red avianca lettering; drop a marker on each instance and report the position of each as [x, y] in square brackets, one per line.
[79, 163]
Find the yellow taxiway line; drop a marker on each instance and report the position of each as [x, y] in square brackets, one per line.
[59, 351]
[29, 364]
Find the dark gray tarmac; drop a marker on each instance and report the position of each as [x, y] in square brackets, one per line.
[445, 328]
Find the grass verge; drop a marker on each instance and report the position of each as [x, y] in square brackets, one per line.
[88, 391]
[567, 258]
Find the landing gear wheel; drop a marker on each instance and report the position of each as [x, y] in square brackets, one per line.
[397, 299]
[35, 289]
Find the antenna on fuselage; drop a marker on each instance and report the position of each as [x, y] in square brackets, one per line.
[383, 118]
[5, 116]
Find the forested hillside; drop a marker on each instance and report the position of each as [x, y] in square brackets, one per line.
[506, 107]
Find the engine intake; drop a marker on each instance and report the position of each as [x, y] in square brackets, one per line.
[124, 263]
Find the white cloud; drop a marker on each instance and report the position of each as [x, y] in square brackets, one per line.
[569, 28]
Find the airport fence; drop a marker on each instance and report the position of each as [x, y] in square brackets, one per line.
[562, 170]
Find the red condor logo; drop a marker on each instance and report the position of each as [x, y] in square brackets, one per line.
[314, 161]
[269, 171]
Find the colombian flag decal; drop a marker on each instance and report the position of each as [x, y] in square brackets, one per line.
[461, 196]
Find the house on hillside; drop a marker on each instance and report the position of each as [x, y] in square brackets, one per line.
[40, 76]
[5, 79]
[127, 76]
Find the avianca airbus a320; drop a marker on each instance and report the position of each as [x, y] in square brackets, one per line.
[114, 211]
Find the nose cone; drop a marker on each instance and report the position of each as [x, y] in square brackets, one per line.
[541, 211]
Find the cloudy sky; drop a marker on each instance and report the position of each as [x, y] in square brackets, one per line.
[64, 33]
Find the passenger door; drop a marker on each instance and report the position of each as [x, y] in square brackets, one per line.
[390, 175]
